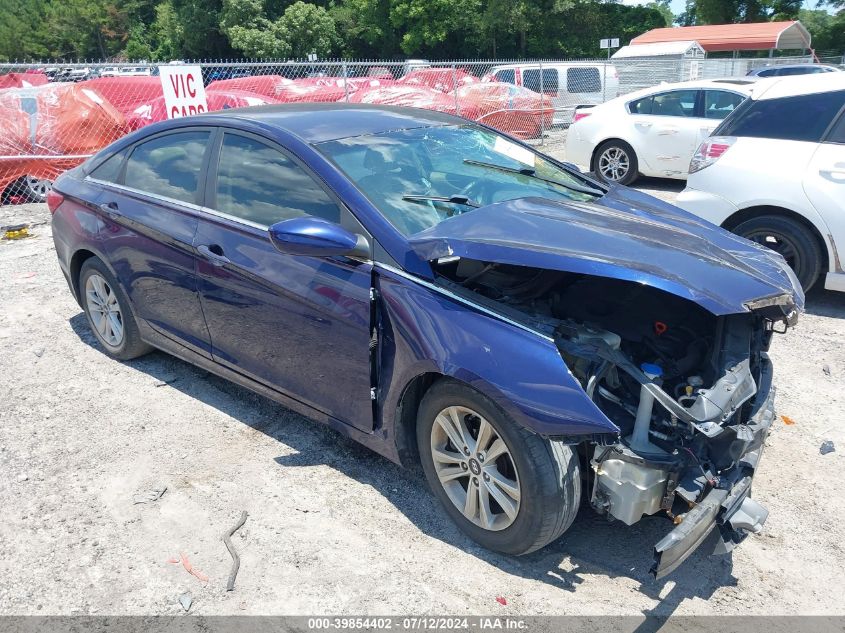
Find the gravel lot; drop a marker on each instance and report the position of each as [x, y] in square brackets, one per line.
[333, 528]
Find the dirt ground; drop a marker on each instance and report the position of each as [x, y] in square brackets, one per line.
[333, 528]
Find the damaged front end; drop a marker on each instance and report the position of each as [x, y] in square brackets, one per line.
[689, 391]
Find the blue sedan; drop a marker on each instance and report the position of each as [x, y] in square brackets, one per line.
[449, 296]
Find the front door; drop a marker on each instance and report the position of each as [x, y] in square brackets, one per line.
[296, 323]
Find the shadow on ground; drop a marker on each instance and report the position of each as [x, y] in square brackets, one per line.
[593, 546]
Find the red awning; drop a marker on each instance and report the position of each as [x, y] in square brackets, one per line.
[734, 37]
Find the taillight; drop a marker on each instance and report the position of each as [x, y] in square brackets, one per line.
[580, 115]
[54, 199]
[709, 152]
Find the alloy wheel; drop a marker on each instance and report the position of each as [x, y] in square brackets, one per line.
[614, 164]
[37, 188]
[475, 468]
[104, 310]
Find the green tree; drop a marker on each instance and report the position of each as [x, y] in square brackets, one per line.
[308, 29]
[662, 6]
[433, 27]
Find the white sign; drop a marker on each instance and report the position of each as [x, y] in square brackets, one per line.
[184, 93]
[609, 43]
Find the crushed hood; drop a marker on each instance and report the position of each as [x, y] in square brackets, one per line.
[626, 235]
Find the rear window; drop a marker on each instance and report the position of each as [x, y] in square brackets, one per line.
[583, 80]
[801, 118]
[531, 80]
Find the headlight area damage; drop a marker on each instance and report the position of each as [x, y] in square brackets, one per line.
[688, 387]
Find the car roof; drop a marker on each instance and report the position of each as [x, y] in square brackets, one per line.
[795, 85]
[319, 122]
[743, 85]
[780, 66]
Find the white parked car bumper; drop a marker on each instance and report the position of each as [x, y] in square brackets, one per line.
[578, 150]
[709, 206]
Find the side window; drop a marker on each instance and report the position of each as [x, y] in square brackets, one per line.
[583, 79]
[531, 80]
[508, 76]
[837, 134]
[675, 103]
[109, 170]
[641, 106]
[168, 166]
[772, 72]
[720, 103]
[258, 183]
[801, 118]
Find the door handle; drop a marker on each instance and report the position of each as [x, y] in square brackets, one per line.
[110, 209]
[216, 258]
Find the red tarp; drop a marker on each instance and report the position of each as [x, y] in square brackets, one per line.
[126, 93]
[53, 120]
[25, 80]
[512, 109]
[155, 110]
[412, 97]
[443, 79]
[317, 89]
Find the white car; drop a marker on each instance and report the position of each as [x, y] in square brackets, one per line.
[651, 132]
[774, 172]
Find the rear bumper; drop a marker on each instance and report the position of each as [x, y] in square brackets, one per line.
[578, 150]
[709, 206]
[727, 507]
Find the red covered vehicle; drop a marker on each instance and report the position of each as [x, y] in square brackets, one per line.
[284, 90]
[49, 129]
[155, 110]
[442, 79]
[512, 109]
[412, 96]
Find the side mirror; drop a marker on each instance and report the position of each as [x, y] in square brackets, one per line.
[317, 238]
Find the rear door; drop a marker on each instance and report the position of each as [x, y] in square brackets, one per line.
[149, 204]
[296, 323]
[824, 180]
[667, 130]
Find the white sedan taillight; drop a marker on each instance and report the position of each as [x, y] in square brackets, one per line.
[580, 115]
[709, 152]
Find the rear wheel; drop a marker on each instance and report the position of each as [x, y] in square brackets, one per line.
[107, 309]
[510, 490]
[794, 241]
[616, 161]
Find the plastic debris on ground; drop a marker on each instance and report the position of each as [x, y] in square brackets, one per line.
[148, 496]
[186, 600]
[827, 447]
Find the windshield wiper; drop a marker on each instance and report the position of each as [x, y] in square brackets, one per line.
[454, 199]
[532, 173]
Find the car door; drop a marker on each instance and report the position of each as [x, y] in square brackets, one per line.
[296, 323]
[824, 181]
[666, 129]
[149, 203]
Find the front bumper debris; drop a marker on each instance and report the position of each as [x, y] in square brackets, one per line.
[727, 507]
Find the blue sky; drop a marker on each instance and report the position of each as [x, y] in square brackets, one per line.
[677, 6]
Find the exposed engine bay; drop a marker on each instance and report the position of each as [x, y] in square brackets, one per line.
[689, 391]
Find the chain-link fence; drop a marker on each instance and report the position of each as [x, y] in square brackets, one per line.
[54, 115]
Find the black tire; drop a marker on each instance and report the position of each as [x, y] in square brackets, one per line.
[616, 145]
[790, 238]
[131, 346]
[548, 473]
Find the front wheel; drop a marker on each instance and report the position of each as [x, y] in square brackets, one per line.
[508, 489]
[798, 246]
